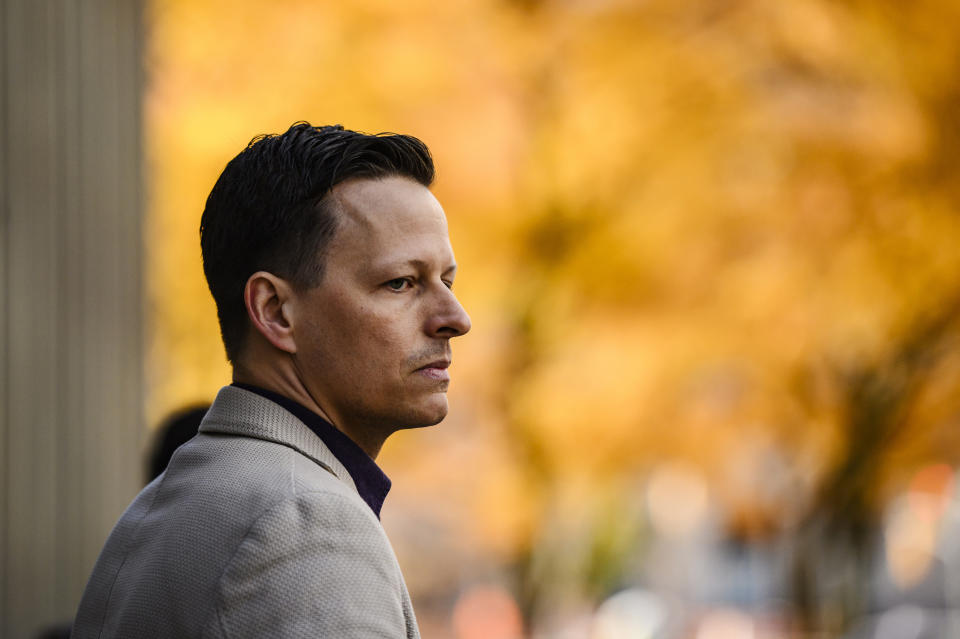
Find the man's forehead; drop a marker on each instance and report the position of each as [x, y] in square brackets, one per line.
[390, 223]
[387, 204]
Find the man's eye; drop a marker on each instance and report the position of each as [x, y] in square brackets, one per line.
[398, 284]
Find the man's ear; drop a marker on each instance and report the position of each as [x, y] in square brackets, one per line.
[267, 298]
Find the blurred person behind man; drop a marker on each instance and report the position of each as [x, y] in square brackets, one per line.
[177, 429]
[330, 264]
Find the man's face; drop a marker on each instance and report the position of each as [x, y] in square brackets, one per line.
[373, 339]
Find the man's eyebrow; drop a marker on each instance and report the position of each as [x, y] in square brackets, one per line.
[418, 264]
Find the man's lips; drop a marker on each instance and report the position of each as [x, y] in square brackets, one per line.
[436, 370]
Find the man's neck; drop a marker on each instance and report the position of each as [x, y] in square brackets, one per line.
[292, 387]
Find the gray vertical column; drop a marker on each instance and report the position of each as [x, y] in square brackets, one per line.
[4, 295]
[70, 329]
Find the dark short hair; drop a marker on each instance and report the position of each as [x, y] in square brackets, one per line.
[269, 212]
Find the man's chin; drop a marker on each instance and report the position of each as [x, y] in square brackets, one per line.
[428, 415]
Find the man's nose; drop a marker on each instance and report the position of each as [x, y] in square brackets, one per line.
[449, 318]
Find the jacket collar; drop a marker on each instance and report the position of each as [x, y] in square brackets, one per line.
[236, 411]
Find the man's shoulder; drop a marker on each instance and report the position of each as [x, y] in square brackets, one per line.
[229, 513]
[241, 487]
[247, 474]
[320, 560]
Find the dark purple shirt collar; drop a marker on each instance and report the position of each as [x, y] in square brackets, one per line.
[372, 484]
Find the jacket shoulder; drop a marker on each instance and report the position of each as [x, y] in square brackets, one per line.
[316, 564]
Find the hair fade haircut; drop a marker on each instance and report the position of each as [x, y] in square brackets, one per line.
[269, 209]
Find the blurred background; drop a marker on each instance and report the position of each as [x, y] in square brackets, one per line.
[710, 251]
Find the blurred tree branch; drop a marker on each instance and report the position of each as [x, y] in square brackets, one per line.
[842, 522]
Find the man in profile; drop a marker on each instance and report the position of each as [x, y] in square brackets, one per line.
[331, 267]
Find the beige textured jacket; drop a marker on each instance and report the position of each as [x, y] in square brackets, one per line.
[254, 530]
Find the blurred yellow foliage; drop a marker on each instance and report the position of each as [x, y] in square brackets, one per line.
[683, 229]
